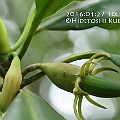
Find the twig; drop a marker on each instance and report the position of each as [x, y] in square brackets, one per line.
[29, 80]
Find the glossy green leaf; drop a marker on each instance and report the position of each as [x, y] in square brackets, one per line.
[99, 14]
[49, 7]
[28, 106]
[111, 23]
[45, 8]
[115, 59]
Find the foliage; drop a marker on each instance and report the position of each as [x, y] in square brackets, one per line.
[52, 15]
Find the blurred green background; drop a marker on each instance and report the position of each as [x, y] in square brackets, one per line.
[50, 46]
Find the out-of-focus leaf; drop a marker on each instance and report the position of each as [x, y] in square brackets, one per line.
[115, 59]
[102, 14]
[111, 23]
[28, 106]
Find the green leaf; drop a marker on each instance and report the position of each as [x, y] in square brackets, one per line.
[99, 12]
[28, 106]
[110, 25]
[45, 8]
[50, 7]
[115, 59]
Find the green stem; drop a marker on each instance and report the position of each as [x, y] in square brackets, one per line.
[13, 54]
[97, 61]
[77, 84]
[94, 102]
[79, 107]
[25, 32]
[103, 69]
[38, 17]
[83, 68]
[74, 107]
[31, 68]
[77, 90]
[74, 57]
[97, 55]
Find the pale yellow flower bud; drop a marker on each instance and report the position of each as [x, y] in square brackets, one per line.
[4, 45]
[11, 84]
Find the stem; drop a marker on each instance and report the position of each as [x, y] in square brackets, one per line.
[97, 61]
[74, 107]
[83, 68]
[103, 69]
[84, 55]
[79, 107]
[31, 68]
[77, 84]
[94, 102]
[31, 79]
[12, 54]
[2, 72]
[77, 90]
[25, 32]
[28, 38]
[97, 55]
[38, 17]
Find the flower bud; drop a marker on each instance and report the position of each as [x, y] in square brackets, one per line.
[4, 45]
[61, 74]
[11, 84]
[64, 76]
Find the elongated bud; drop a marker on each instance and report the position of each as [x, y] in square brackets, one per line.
[101, 87]
[4, 45]
[64, 76]
[11, 84]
